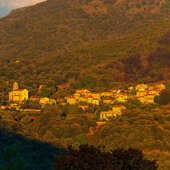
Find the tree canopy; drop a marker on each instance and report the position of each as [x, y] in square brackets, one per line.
[92, 158]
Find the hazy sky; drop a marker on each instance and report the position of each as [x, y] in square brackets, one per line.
[7, 5]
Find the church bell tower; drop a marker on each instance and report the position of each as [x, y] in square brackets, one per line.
[15, 86]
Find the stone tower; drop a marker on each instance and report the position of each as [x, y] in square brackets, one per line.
[15, 86]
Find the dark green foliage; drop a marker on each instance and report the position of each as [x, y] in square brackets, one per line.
[45, 92]
[54, 121]
[30, 105]
[49, 115]
[51, 84]
[156, 99]
[135, 128]
[110, 1]
[89, 157]
[18, 153]
[63, 115]
[164, 97]
[81, 42]
[11, 158]
[144, 128]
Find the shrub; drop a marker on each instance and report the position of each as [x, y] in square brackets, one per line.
[91, 158]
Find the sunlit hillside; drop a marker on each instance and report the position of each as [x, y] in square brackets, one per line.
[79, 40]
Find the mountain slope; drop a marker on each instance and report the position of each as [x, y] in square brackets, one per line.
[74, 38]
[57, 25]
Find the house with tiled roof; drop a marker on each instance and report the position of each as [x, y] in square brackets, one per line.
[155, 92]
[15, 105]
[105, 115]
[71, 100]
[121, 97]
[107, 94]
[95, 95]
[149, 98]
[82, 91]
[141, 93]
[52, 102]
[118, 108]
[160, 86]
[131, 88]
[44, 100]
[107, 100]
[116, 91]
[141, 87]
[82, 99]
[77, 95]
[6, 107]
[96, 101]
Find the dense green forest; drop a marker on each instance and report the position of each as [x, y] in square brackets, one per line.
[85, 43]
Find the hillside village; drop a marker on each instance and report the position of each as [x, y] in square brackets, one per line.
[115, 98]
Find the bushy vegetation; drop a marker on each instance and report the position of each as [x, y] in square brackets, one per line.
[89, 157]
[66, 42]
[143, 127]
[18, 152]
[164, 97]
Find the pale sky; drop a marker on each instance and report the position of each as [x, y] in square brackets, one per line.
[7, 5]
[18, 3]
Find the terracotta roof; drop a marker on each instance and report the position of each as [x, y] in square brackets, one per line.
[83, 105]
[19, 90]
[90, 96]
[117, 106]
[6, 106]
[80, 89]
[107, 112]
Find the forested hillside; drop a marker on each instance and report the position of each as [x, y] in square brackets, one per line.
[142, 126]
[83, 42]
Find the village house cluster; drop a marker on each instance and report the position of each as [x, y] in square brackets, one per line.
[18, 96]
[145, 93]
[116, 111]
[84, 95]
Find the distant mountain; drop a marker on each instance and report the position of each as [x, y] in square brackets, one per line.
[80, 38]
